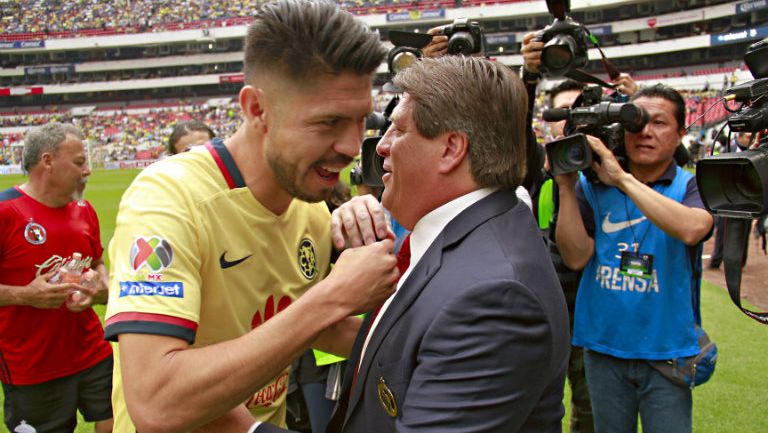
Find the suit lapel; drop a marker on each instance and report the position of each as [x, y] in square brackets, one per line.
[422, 273]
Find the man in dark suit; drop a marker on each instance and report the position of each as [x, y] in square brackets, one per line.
[476, 337]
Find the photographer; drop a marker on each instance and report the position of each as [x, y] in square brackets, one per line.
[562, 95]
[651, 217]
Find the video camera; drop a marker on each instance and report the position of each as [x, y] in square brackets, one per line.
[736, 184]
[566, 42]
[370, 168]
[591, 115]
[464, 37]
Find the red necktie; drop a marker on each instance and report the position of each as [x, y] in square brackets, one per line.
[403, 261]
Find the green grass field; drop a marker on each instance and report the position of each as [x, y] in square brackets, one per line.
[733, 401]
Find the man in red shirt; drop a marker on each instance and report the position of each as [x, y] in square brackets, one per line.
[53, 359]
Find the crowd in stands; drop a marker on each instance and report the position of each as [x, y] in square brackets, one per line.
[118, 135]
[42, 19]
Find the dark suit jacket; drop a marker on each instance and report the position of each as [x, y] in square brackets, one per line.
[476, 339]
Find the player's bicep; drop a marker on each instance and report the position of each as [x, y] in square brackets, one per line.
[145, 363]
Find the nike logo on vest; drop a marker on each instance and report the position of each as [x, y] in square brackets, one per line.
[613, 227]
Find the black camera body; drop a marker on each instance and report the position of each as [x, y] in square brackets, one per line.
[605, 120]
[566, 45]
[464, 36]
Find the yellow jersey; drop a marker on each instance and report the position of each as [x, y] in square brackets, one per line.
[195, 256]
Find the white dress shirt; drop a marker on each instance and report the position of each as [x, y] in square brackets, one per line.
[422, 236]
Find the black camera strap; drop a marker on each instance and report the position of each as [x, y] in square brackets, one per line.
[610, 68]
[736, 234]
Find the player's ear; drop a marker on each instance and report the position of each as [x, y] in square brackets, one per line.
[252, 103]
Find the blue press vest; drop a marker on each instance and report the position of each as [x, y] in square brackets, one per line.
[634, 317]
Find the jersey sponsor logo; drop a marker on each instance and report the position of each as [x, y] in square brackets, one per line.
[53, 263]
[224, 263]
[34, 233]
[613, 227]
[170, 289]
[269, 395]
[154, 253]
[307, 259]
[270, 309]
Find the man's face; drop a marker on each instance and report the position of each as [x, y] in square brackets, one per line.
[563, 99]
[743, 139]
[312, 134]
[655, 145]
[69, 167]
[408, 161]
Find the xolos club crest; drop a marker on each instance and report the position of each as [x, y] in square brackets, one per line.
[34, 233]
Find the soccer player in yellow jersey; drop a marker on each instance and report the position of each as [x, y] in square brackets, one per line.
[220, 254]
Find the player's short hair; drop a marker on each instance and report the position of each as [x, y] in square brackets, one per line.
[302, 39]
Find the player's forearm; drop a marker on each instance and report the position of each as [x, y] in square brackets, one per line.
[237, 420]
[575, 245]
[10, 295]
[686, 224]
[185, 389]
[102, 296]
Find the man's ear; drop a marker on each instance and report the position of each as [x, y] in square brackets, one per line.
[454, 152]
[46, 159]
[252, 101]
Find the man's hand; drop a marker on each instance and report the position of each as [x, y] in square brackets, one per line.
[40, 293]
[92, 288]
[359, 221]
[364, 277]
[608, 170]
[531, 51]
[439, 45]
[625, 84]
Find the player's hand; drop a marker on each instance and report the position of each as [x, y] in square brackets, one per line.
[42, 294]
[608, 170]
[439, 45]
[78, 300]
[364, 277]
[359, 221]
[531, 51]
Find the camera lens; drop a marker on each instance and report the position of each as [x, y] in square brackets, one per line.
[575, 155]
[461, 43]
[557, 55]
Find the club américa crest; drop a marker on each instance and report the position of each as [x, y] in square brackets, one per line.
[34, 233]
[307, 259]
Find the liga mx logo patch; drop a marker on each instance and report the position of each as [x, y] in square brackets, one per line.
[307, 259]
[34, 233]
[153, 253]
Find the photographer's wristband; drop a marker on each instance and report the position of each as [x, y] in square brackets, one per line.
[529, 77]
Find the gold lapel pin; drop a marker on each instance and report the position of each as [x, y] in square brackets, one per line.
[387, 398]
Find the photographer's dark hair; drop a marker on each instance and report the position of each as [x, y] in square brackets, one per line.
[665, 92]
[564, 86]
[301, 39]
[183, 128]
[451, 93]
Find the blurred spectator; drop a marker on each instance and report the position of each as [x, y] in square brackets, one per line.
[186, 134]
